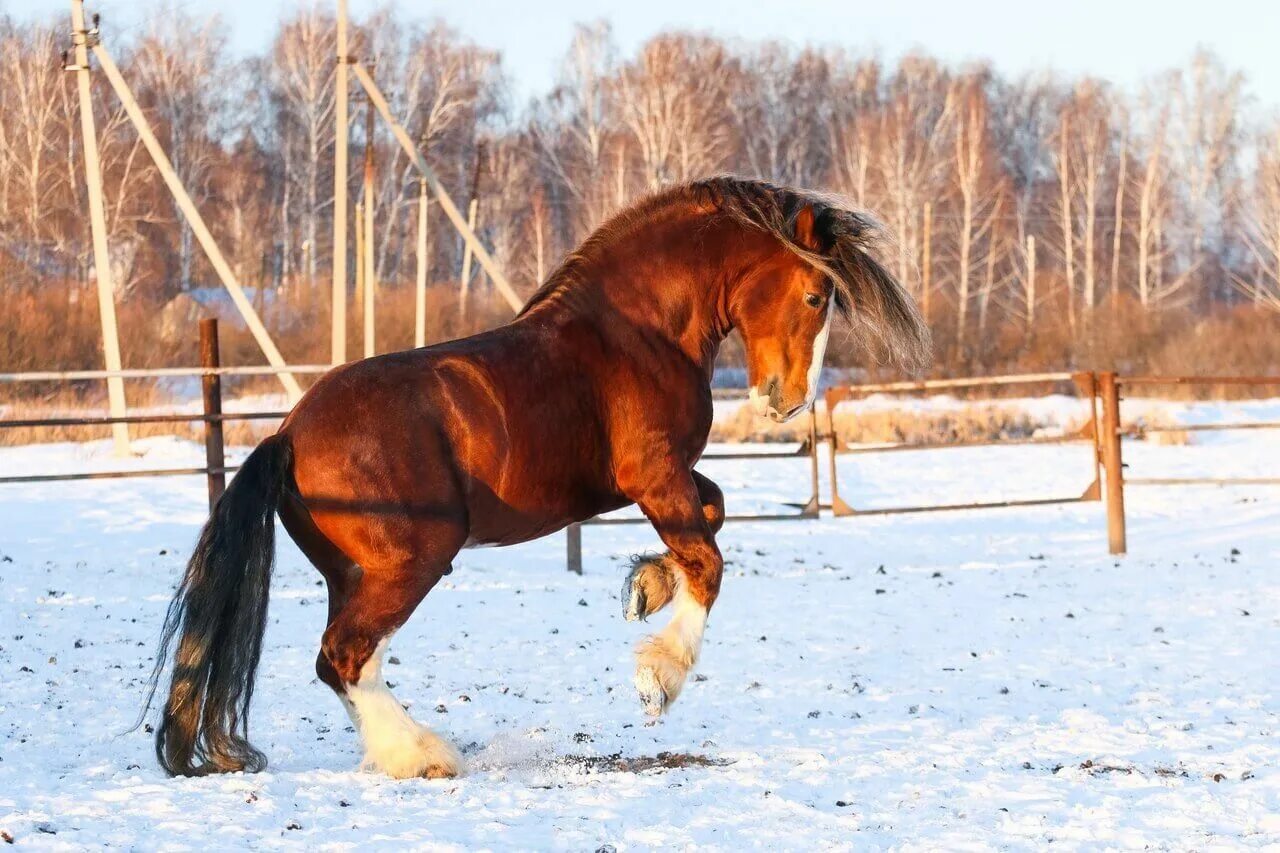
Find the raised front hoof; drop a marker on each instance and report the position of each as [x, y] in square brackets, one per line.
[647, 588]
[660, 674]
[429, 757]
[653, 698]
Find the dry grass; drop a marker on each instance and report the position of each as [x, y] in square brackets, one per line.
[975, 422]
[893, 426]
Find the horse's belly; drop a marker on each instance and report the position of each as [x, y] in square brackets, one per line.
[496, 522]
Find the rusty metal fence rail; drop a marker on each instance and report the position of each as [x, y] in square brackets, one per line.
[1085, 384]
[808, 509]
[1101, 432]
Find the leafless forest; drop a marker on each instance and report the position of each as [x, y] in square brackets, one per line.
[1154, 212]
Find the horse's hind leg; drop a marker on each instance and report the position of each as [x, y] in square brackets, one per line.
[366, 606]
[339, 571]
[651, 583]
[389, 589]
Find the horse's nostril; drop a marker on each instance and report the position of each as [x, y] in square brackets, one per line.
[773, 390]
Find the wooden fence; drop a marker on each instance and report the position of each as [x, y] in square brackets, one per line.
[1102, 434]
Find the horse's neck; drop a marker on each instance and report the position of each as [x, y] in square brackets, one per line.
[672, 280]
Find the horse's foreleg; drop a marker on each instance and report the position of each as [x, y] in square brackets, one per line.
[651, 583]
[676, 509]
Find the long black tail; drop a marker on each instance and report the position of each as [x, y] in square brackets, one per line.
[219, 615]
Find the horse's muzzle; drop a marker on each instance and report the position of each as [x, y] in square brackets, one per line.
[767, 402]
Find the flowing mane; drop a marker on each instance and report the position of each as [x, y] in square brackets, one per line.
[867, 296]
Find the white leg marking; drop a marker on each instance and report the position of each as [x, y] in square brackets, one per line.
[819, 353]
[394, 743]
[663, 660]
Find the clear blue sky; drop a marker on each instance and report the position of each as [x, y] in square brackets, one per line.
[1122, 40]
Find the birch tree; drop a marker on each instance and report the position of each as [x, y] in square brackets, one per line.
[301, 74]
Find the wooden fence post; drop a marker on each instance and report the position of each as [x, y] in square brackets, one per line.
[574, 541]
[1087, 387]
[838, 506]
[814, 507]
[1109, 389]
[211, 392]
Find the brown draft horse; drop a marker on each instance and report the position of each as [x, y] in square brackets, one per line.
[596, 396]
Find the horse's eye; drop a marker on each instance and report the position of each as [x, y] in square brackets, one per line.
[813, 300]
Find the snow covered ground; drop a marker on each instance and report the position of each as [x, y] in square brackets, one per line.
[938, 681]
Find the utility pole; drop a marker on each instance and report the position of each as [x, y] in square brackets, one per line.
[81, 38]
[338, 342]
[360, 255]
[450, 209]
[370, 268]
[420, 289]
[926, 264]
[1031, 283]
[471, 223]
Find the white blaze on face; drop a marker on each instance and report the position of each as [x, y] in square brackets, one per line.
[819, 352]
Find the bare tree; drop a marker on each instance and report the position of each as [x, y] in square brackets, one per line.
[1205, 138]
[572, 128]
[1152, 195]
[972, 179]
[301, 73]
[172, 68]
[852, 126]
[911, 154]
[1262, 225]
[30, 145]
[1087, 138]
[779, 106]
[1121, 187]
[672, 100]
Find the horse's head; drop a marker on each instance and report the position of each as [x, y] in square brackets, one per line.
[785, 306]
[783, 310]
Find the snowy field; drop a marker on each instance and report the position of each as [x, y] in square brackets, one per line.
[967, 680]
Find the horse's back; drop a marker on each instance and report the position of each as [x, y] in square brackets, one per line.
[500, 425]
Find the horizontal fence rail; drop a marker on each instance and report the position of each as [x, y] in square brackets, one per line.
[161, 373]
[1085, 383]
[1102, 430]
[1139, 432]
[808, 509]
[941, 384]
[107, 420]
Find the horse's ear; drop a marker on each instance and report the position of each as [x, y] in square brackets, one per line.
[805, 232]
